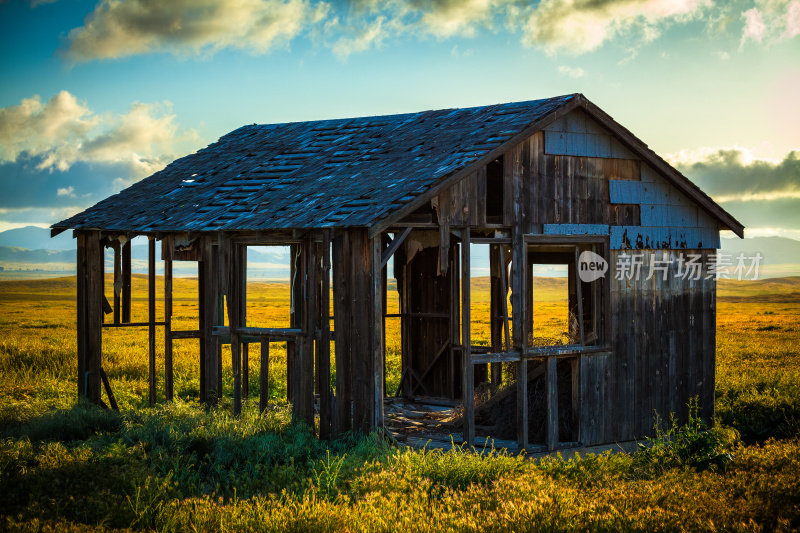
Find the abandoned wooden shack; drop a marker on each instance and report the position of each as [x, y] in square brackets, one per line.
[533, 183]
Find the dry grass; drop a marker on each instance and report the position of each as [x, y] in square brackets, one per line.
[180, 467]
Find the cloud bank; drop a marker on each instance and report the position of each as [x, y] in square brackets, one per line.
[118, 28]
[732, 174]
[762, 195]
[62, 131]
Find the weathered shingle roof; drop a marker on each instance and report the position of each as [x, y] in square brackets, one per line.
[330, 173]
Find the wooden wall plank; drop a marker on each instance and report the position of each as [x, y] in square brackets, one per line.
[324, 349]
[151, 318]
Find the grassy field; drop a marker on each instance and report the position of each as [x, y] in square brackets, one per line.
[176, 467]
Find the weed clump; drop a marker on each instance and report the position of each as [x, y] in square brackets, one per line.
[693, 445]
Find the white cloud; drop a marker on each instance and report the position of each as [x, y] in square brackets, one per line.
[571, 72]
[754, 27]
[64, 131]
[356, 40]
[120, 28]
[579, 26]
[771, 21]
[66, 191]
[446, 18]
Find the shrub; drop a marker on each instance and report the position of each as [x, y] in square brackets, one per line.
[693, 445]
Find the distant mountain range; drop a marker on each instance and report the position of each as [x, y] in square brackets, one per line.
[31, 248]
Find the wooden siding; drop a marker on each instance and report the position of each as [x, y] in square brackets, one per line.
[565, 188]
[663, 340]
[580, 135]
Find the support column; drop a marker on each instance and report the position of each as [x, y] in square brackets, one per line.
[90, 314]
[151, 318]
[469, 380]
[377, 327]
[324, 346]
[208, 269]
[232, 254]
[117, 281]
[354, 326]
[126, 282]
[551, 385]
[495, 312]
[304, 360]
[166, 253]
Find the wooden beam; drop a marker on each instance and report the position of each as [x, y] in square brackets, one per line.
[305, 355]
[551, 386]
[90, 314]
[186, 334]
[393, 246]
[376, 342]
[468, 369]
[276, 333]
[151, 318]
[126, 282]
[168, 375]
[263, 399]
[579, 297]
[576, 397]
[210, 316]
[232, 255]
[495, 311]
[112, 401]
[242, 259]
[117, 281]
[564, 239]
[343, 305]
[324, 349]
[504, 299]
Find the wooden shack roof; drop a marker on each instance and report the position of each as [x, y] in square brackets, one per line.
[331, 173]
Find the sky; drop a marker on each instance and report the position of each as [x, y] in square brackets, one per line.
[97, 95]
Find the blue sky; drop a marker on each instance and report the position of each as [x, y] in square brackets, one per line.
[96, 95]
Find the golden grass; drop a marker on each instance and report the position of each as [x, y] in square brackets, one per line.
[166, 468]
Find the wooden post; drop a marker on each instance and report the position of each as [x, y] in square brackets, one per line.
[232, 254]
[324, 348]
[202, 315]
[264, 377]
[294, 319]
[90, 314]
[551, 384]
[496, 312]
[117, 281]
[519, 163]
[343, 309]
[126, 282]
[151, 313]
[468, 385]
[210, 316]
[579, 297]
[576, 398]
[242, 257]
[304, 361]
[378, 292]
[166, 244]
[352, 264]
